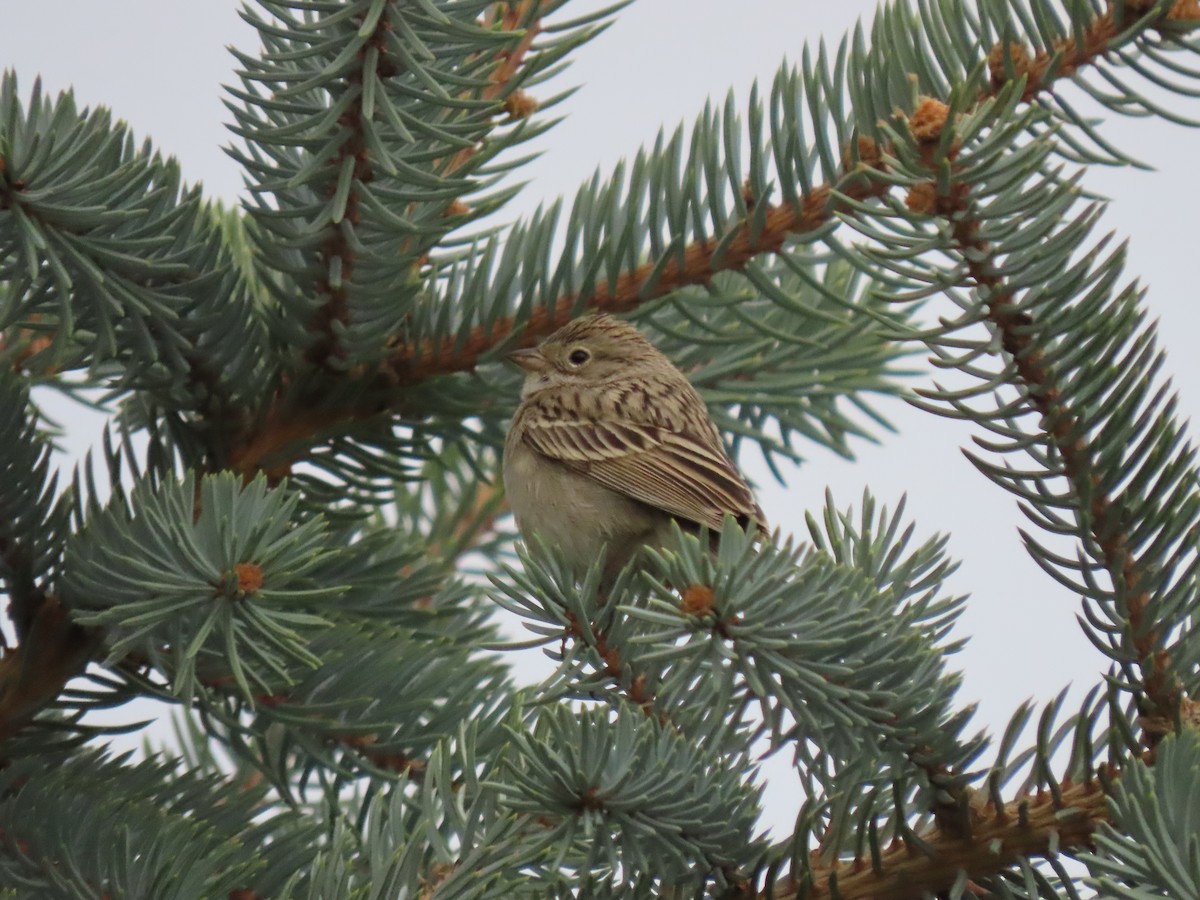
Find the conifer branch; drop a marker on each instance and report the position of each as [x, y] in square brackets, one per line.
[1066, 56]
[336, 252]
[513, 17]
[365, 745]
[414, 363]
[284, 436]
[475, 523]
[369, 410]
[1067, 432]
[286, 433]
[411, 364]
[1063, 427]
[632, 685]
[336, 249]
[999, 838]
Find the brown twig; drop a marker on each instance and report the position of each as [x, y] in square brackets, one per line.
[472, 524]
[1067, 433]
[413, 363]
[1069, 55]
[366, 745]
[389, 760]
[336, 248]
[509, 63]
[633, 686]
[1026, 827]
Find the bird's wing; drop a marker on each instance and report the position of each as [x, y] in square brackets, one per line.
[683, 473]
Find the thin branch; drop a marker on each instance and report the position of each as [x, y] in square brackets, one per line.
[338, 246]
[1066, 430]
[512, 17]
[1025, 827]
[631, 685]
[414, 363]
[365, 745]
[336, 249]
[472, 524]
[1066, 56]
[401, 763]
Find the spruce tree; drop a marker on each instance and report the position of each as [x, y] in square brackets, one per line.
[295, 533]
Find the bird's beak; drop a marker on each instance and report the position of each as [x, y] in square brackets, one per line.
[530, 359]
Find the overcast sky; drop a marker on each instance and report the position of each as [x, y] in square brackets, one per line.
[159, 64]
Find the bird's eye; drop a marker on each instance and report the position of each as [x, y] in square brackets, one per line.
[579, 357]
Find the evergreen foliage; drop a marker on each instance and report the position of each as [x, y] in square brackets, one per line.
[295, 531]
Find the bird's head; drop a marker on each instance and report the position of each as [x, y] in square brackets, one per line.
[592, 350]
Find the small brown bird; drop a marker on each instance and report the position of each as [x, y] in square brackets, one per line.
[611, 443]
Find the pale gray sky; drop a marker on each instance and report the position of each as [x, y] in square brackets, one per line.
[159, 64]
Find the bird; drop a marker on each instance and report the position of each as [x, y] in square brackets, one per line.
[611, 444]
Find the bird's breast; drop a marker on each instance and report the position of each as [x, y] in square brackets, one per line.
[570, 511]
